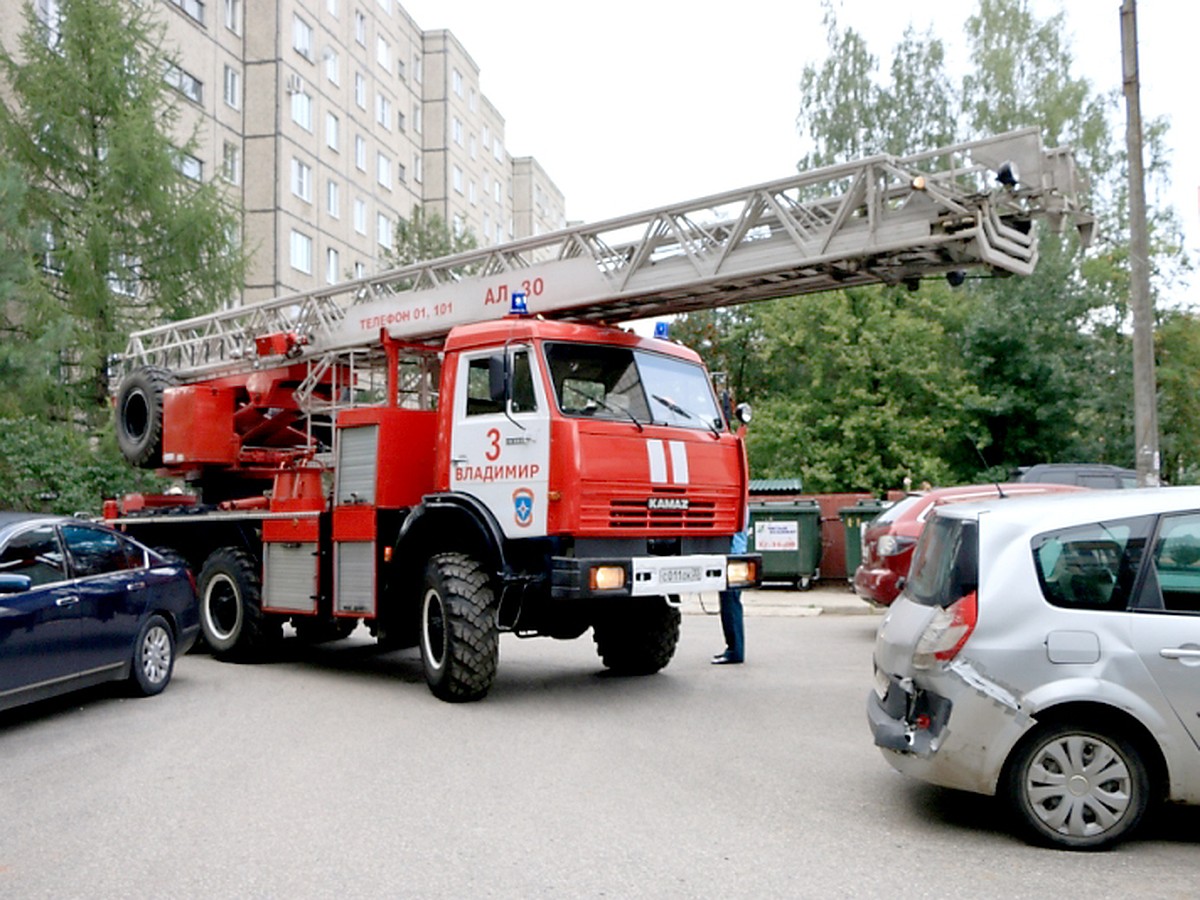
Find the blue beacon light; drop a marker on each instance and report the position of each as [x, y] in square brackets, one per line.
[517, 306]
[662, 330]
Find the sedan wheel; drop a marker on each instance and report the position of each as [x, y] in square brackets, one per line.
[153, 657]
[1077, 787]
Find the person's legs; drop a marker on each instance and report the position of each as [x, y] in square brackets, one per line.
[732, 626]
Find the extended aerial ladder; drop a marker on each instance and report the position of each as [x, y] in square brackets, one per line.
[884, 219]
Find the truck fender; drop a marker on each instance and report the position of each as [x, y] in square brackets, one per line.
[479, 528]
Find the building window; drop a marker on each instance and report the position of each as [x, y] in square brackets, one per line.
[400, 69]
[302, 110]
[190, 167]
[383, 171]
[231, 163]
[383, 111]
[471, 102]
[302, 35]
[332, 129]
[333, 199]
[360, 90]
[332, 66]
[360, 152]
[418, 169]
[496, 190]
[401, 173]
[233, 15]
[332, 6]
[383, 53]
[472, 147]
[459, 226]
[385, 5]
[458, 179]
[418, 118]
[302, 252]
[360, 27]
[302, 180]
[233, 88]
[456, 130]
[471, 192]
[193, 8]
[360, 215]
[418, 70]
[456, 81]
[360, 270]
[400, 121]
[184, 82]
[383, 227]
[331, 266]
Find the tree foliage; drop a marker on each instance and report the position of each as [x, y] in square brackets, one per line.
[128, 238]
[858, 389]
[424, 236]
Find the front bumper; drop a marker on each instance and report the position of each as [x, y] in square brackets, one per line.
[647, 576]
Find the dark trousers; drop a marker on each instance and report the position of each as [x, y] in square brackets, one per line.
[731, 624]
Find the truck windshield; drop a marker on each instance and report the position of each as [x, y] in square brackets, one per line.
[621, 383]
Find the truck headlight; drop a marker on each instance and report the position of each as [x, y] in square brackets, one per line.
[740, 572]
[607, 578]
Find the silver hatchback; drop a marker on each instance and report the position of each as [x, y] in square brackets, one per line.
[1048, 649]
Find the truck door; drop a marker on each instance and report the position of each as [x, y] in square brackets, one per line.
[500, 450]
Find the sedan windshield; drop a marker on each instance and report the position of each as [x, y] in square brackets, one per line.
[621, 383]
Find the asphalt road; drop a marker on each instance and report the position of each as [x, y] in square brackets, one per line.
[336, 774]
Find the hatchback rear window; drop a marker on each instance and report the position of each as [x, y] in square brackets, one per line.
[945, 566]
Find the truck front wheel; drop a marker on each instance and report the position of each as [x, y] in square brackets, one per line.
[637, 636]
[231, 616]
[460, 638]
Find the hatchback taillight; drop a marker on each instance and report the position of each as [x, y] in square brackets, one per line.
[946, 632]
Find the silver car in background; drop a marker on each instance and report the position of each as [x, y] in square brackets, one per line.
[1047, 649]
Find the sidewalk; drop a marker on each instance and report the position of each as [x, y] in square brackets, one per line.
[825, 598]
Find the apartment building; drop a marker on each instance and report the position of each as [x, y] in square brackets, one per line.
[329, 121]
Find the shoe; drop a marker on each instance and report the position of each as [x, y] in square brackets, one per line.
[723, 659]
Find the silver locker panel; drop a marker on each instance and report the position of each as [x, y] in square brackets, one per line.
[358, 459]
[354, 574]
[290, 577]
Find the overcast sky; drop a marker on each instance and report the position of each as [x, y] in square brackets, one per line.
[632, 104]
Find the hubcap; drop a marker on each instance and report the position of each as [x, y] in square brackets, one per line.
[156, 654]
[433, 630]
[222, 609]
[1079, 785]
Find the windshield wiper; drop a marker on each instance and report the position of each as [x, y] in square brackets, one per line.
[612, 409]
[679, 410]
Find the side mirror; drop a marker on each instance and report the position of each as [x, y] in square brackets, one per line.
[743, 413]
[498, 377]
[15, 584]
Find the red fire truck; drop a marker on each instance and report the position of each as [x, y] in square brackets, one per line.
[409, 452]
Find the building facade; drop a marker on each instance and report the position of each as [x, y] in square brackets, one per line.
[329, 121]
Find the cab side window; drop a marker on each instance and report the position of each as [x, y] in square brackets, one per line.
[34, 553]
[479, 394]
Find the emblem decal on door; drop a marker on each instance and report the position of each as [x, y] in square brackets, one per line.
[523, 507]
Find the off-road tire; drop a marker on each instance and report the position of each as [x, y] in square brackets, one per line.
[1074, 786]
[231, 617]
[637, 636]
[139, 415]
[459, 634]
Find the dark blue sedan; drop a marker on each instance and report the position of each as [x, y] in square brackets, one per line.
[82, 604]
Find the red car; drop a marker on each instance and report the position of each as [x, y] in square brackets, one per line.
[888, 539]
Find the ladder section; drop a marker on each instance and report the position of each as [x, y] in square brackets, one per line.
[884, 219]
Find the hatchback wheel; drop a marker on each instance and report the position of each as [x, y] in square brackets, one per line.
[1077, 787]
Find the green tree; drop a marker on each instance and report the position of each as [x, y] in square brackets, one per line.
[94, 128]
[424, 236]
[1177, 344]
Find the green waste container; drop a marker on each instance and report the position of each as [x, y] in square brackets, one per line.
[853, 519]
[788, 535]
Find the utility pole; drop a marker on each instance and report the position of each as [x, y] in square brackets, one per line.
[1145, 399]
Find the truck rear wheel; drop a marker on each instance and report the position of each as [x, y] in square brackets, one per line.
[460, 638]
[140, 415]
[637, 636]
[231, 616]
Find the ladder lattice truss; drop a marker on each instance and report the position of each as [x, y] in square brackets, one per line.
[883, 219]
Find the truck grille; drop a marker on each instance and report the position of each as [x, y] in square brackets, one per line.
[700, 514]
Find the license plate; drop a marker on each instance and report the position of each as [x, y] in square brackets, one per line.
[682, 575]
[881, 684]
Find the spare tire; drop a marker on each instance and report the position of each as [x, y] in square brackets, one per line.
[140, 415]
